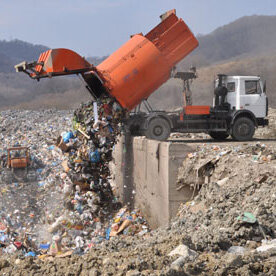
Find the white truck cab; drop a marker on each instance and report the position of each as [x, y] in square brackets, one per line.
[243, 100]
[246, 92]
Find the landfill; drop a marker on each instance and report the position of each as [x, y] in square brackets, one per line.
[68, 223]
[70, 206]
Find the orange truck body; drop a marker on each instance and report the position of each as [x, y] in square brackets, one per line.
[144, 63]
[133, 72]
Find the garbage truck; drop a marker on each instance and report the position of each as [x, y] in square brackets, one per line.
[140, 66]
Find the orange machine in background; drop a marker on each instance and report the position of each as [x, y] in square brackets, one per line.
[18, 158]
[133, 72]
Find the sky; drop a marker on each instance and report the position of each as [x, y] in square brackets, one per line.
[99, 27]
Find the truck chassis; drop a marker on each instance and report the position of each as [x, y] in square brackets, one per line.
[220, 123]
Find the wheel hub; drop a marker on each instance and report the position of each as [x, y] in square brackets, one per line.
[158, 130]
[244, 129]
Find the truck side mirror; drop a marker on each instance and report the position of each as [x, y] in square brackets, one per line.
[264, 89]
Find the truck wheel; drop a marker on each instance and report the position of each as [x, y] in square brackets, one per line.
[243, 129]
[158, 129]
[218, 135]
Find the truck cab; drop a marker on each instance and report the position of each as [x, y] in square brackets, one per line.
[246, 93]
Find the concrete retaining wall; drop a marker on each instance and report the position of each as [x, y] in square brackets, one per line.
[145, 176]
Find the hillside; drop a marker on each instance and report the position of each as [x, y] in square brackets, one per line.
[247, 36]
[203, 87]
[15, 51]
[245, 46]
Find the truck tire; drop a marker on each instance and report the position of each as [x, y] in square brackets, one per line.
[158, 129]
[243, 129]
[219, 135]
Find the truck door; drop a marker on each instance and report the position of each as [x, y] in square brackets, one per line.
[253, 98]
[232, 93]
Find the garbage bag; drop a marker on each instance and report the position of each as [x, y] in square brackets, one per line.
[95, 156]
[67, 136]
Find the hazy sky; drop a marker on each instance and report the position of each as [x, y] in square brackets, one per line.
[98, 27]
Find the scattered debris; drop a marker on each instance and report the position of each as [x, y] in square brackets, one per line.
[184, 251]
[71, 207]
[52, 214]
[267, 245]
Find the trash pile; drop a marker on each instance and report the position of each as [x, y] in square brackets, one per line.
[23, 205]
[218, 172]
[70, 207]
[229, 227]
[235, 209]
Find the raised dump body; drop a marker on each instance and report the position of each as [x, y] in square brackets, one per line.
[133, 72]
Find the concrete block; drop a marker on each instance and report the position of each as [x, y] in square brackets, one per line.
[150, 169]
